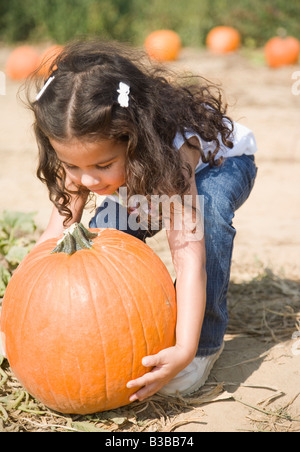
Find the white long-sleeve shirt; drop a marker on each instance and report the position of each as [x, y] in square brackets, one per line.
[243, 144]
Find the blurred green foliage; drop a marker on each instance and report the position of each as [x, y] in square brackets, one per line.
[16, 240]
[131, 20]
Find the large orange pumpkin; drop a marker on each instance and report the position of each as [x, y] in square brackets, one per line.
[76, 325]
[223, 39]
[282, 51]
[163, 45]
[47, 57]
[22, 62]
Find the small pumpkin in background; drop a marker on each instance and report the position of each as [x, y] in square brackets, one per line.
[22, 61]
[47, 57]
[282, 51]
[77, 321]
[223, 39]
[163, 45]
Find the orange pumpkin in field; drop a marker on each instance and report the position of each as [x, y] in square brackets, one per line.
[22, 62]
[77, 320]
[47, 57]
[223, 39]
[282, 51]
[163, 45]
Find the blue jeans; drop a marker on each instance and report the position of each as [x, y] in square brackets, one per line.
[225, 189]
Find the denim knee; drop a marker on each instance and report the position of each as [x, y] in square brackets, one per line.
[111, 214]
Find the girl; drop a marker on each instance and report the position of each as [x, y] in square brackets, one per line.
[105, 121]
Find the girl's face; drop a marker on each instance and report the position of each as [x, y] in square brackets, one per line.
[98, 166]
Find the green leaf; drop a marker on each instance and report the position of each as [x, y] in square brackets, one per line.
[16, 254]
[119, 420]
[4, 279]
[87, 427]
[16, 229]
[114, 417]
[20, 221]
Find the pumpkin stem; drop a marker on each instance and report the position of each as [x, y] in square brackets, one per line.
[75, 238]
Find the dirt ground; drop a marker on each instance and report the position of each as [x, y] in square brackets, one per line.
[268, 231]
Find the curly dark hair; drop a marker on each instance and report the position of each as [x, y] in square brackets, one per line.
[81, 102]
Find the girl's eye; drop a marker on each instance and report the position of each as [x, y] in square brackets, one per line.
[105, 167]
[70, 167]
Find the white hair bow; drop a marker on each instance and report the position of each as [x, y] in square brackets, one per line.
[123, 97]
[39, 95]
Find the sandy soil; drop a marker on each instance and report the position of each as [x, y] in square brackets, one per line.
[268, 224]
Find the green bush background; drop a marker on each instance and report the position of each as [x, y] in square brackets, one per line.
[132, 20]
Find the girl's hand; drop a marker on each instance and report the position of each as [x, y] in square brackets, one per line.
[166, 365]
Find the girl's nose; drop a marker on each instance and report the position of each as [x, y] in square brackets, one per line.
[88, 180]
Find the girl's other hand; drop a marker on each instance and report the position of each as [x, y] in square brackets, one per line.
[166, 365]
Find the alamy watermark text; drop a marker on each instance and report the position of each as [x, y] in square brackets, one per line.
[296, 84]
[2, 84]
